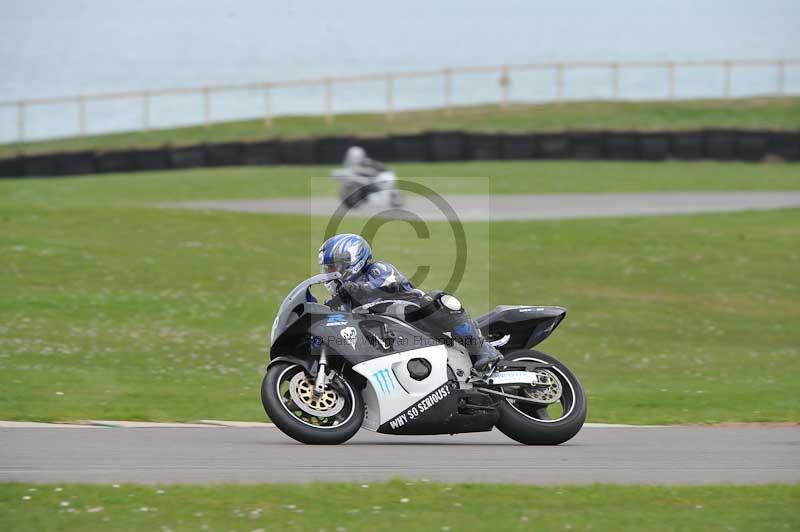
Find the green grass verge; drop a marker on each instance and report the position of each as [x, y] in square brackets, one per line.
[505, 177]
[398, 505]
[775, 113]
[114, 310]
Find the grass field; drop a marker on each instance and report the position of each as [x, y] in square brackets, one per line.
[773, 113]
[113, 309]
[397, 505]
[506, 177]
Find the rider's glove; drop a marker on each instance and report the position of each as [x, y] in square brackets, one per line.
[349, 291]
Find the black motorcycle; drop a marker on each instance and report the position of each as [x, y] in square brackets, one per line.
[333, 372]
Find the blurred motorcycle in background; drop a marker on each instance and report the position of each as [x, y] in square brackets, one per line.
[366, 181]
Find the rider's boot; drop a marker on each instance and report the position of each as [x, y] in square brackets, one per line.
[487, 356]
[445, 313]
[482, 353]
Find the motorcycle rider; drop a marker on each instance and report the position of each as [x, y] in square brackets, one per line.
[357, 162]
[365, 280]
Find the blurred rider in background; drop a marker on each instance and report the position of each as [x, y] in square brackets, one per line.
[356, 160]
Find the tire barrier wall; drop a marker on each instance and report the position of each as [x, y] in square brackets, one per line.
[713, 144]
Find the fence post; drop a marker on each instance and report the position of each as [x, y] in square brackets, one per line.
[268, 105]
[82, 114]
[781, 76]
[671, 71]
[21, 121]
[727, 83]
[505, 84]
[389, 97]
[146, 111]
[615, 80]
[328, 101]
[206, 107]
[448, 89]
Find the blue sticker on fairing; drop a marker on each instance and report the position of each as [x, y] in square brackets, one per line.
[384, 379]
[336, 319]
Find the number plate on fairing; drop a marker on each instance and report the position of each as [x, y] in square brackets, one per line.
[515, 377]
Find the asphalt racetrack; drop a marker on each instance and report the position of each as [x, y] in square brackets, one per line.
[520, 207]
[640, 455]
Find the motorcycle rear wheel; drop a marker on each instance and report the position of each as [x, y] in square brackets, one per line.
[339, 411]
[531, 424]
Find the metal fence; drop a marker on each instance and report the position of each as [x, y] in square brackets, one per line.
[505, 79]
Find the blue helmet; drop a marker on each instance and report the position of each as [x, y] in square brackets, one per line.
[347, 254]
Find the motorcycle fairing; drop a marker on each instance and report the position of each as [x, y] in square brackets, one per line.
[519, 327]
[447, 410]
[354, 337]
[360, 337]
[396, 403]
[291, 308]
[379, 189]
[391, 390]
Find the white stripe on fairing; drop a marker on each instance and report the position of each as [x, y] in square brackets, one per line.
[212, 423]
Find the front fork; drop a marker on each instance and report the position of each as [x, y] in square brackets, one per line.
[321, 379]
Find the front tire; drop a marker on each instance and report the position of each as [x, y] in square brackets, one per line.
[352, 194]
[396, 199]
[532, 425]
[330, 419]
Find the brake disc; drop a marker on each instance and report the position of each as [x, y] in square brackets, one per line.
[326, 404]
[547, 393]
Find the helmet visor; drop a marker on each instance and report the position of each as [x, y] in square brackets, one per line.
[340, 263]
[329, 268]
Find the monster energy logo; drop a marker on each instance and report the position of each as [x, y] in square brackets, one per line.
[385, 381]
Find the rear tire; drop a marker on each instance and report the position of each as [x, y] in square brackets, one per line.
[528, 424]
[279, 407]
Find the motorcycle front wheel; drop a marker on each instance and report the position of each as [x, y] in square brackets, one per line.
[557, 419]
[352, 194]
[396, 199]
[329, 418]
